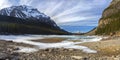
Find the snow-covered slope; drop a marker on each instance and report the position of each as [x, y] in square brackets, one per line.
[27, 12]
[23, 12]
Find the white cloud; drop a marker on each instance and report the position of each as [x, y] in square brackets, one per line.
[64, 11]
[25, 2]
[74, 19]
[4, 4]
[53, 9]
[72, 11]
[82, 23]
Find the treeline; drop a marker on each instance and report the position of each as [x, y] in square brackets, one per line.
[12, 25]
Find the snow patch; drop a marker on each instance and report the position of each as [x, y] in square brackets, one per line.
[26, 49]
[83, 48]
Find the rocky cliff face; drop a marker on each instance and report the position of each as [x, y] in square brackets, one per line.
[109, 24]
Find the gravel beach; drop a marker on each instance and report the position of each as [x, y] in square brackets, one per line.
[106, 50]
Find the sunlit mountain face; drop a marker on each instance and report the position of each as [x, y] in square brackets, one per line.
[66, 12]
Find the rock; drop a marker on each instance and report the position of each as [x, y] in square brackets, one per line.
[3, 56]
[66, 50]
[116, 59]
[57, 49]
[16, 48]
[48, 49]
[71, 49]
[6, 59]
[117, 49]
[9, 49]
[61, 49]
[10, 41]
[77, 57]
[15, 53]
[85, 58]
[62, 57]
[43, 55]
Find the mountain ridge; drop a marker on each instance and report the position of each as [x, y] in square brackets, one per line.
[23, 12]
[15, 24]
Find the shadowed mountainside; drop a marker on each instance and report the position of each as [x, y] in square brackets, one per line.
[13, 25]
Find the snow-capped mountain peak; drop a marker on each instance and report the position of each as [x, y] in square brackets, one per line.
[23, 12]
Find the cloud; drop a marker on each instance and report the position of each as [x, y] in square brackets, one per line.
[82, 23]
[90, 21]
[4, 4]
[72, 11]
[65, 11]
[25, 2]
[74, 19]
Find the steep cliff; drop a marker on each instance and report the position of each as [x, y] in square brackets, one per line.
[109, 24]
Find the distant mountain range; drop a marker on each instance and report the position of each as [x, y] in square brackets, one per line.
[27, 20]
[109, 24]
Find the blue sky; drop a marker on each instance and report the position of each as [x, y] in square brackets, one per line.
[66, 12]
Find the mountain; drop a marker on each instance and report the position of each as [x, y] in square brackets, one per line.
[109, 24]
[27, 20]
[23, 12]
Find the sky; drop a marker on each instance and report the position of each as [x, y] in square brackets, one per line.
[66, 12]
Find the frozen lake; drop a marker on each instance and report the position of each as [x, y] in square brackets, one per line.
[70, 41]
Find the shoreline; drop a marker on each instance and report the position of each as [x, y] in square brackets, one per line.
[107, 49]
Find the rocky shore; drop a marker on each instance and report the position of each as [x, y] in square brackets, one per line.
[7, 49]
[106, 50]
